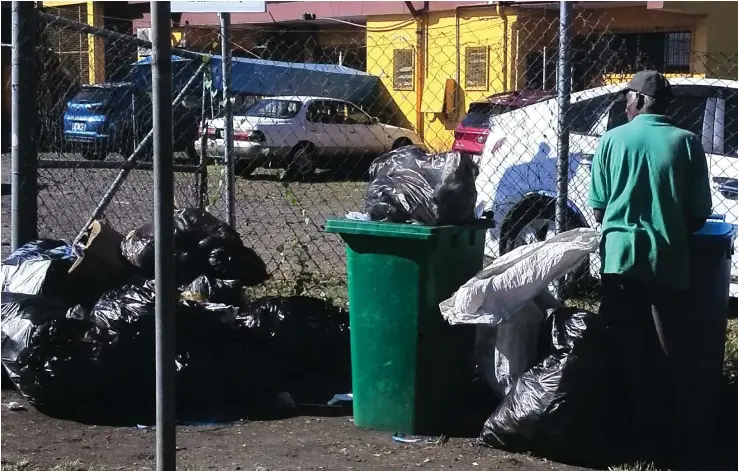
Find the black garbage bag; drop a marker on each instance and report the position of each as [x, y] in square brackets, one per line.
[51, 355]
[409, 185]
[39, 267]
[563, 408]
[216, 371]
[306, 340]
[208, 289]
[204, 245]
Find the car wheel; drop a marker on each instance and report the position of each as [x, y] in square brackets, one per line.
[302, 164]
[535, 221]
[192, 156]
[244, 168]
[402, 142]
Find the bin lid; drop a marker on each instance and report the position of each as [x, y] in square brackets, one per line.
[714, 236]
[400, 230]
[716, 229]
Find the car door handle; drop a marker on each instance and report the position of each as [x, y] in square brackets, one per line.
[728, 187]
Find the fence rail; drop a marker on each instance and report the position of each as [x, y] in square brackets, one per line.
[299, 161]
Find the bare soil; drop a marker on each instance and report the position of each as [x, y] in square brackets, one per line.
[300, 443]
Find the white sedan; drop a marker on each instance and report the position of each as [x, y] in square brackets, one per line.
[518, 166]
[304, 133]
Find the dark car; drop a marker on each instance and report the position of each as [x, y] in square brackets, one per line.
[471, 133]
[115, 117]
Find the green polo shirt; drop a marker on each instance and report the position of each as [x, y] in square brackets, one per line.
[650, 177]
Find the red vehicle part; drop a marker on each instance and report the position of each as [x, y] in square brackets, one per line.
[471, 133]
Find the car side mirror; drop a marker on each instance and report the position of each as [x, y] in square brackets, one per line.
[375, 120]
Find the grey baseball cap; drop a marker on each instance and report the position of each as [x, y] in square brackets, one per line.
[651, 83]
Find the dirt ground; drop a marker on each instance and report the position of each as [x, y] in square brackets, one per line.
[283, 223]
[304, 443]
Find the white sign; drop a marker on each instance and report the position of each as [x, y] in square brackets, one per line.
[204, 6]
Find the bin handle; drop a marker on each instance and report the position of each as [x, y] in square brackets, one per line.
[716, 217]
[488, 215]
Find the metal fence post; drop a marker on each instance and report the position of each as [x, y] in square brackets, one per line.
[24, 152]
[161, 78]
[202, 175]
[225, 27]
[563, 93]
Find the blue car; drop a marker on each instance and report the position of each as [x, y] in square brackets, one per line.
[114, 117]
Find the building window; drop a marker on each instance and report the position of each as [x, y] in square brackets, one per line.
[677, 51]
[402, 78]
[476, 68]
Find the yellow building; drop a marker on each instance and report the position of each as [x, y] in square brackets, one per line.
[434, 66]
[87, 56]
[84, 54]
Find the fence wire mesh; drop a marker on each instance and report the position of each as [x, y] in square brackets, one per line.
[316, 102]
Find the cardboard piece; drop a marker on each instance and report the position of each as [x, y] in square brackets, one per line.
[101, 255]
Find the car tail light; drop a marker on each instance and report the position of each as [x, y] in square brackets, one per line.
[209, 132]
[249, 136]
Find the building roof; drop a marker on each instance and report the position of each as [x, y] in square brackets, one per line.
[240, 62]
[283, 12]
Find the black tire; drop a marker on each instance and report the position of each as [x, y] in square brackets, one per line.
[192, 156]
[543, 209]
[301, 164]
[244, 168]
[402, 142]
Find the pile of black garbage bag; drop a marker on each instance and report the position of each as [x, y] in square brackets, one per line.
[563, 408]
[407, 185]
[91, 356]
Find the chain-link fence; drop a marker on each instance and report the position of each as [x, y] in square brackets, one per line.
[316, 102]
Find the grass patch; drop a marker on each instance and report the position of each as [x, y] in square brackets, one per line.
[333, 289]
[731, 351]
[635, 467]
[29, 466]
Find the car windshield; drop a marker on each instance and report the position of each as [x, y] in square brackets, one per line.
[93, 95]
[281, 109]
[480, 114]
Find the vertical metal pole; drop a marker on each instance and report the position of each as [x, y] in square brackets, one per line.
[24, 151]
[202, 174]
[545, 60]
[161, 78]
[563, 91]
[225, 27]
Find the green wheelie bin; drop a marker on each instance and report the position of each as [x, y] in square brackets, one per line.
[408, 364]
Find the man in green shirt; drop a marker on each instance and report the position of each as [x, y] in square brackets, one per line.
[650, 191]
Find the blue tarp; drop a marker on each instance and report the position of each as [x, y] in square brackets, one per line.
[182, 70]
[273, 78]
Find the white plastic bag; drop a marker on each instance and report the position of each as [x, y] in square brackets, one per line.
[496, 293]
[505, 351]
[508, 300]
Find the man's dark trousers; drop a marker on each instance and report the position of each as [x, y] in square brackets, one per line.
[649, 335]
